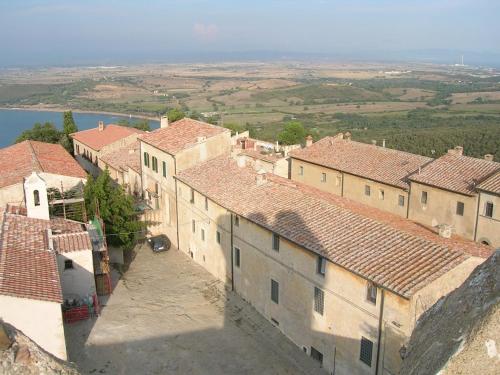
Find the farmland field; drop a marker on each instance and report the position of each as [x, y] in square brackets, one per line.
[419, 108]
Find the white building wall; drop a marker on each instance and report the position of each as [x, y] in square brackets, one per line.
[41, 321]
[80, 279]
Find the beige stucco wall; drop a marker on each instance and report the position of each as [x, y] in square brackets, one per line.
[347, 316]
[39, 320]
[353, 186]
[488, 228]
[15, 193]
[79, 280]
[441, 209]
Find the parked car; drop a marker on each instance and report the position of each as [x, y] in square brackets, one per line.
[159, 243]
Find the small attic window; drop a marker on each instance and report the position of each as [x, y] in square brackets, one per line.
[36, 197]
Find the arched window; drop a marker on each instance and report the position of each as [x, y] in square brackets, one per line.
[36, 197]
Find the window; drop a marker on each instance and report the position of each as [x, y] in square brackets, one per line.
[36, 197]
[164, 168]
[155, 164]
[203, 234]
[381, 194]
[488, 209]
[68, 264]
[237, 257]
[192, 196]
[365, 353]
[206, 204]
[401, 200]
[217, 235]
[301, 170]
[371, 293]
[193, 226]
[236, 221]
[423, 197]
[146, 159]
[319, 300]
[321, 267]
[275, 291]
[276, 242]
[460, 208]
[323, 177]
[367, 190]
[317, 355]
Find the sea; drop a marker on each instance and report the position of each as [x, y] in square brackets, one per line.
[14, 121]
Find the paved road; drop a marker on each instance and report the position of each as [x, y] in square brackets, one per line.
[167, 315]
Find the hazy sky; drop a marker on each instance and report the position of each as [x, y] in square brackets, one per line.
[61, 32]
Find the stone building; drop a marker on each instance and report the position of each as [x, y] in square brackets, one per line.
[488, 221]
[168, 150]
[91, 144]
[370, 174]
[343, 280]
[51, 161]
[43, 262]
[444, 194]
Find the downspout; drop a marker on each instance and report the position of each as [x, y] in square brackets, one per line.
[408, 205]
[342, 185]
[477, 217]
[380, 321]
[232, 261]
[176, 205]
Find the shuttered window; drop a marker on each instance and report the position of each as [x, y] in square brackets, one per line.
[366, 350]
[275, 291]
[319, 300]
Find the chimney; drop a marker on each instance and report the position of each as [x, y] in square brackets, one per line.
[383, 143]
[488, 157]
[164, 122]
[459, 150]
[50, 240]
[309, 141]
[200, 139]
[261, 179]
[241, 161]
[374, 142]
[101, 126]
[445, 230]
[347, 136]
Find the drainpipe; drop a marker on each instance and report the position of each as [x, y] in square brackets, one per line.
[477, 217]
[380, 321]
[232, 261]
[342, 185]
[408, 203]
[176, 206]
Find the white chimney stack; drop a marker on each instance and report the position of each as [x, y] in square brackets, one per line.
[164, 122]
[488, 157]
[309, 141]
[101, 126]
[445, 230]
[261, 179]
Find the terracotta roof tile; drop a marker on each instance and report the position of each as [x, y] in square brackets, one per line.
[456, 173]
[181, 135]
[28, 268]
[491, 184]
[394, 252]
[19, 160]
[96, 139]
[125, 157]
[376, 163]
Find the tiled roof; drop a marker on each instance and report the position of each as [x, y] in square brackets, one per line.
[28, 268]
[181, 135]
[96, 139]
[376, 163]
[396, 253]
[456, 173]
[19, 160]
[254, 154]
[127, 156]
[491, 184]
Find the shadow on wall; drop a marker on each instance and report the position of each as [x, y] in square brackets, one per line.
[167, 315]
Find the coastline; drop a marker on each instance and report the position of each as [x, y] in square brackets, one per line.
[63, 109]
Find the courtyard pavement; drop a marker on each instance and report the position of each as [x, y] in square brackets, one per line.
[167, 315]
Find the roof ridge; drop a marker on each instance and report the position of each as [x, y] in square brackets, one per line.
[34, 156]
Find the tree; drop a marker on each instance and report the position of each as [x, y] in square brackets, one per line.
[116, 209]
[234, 127]
[175, 114]
[43, 133]
[292, 134]
[69, 125]
[139, 124]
